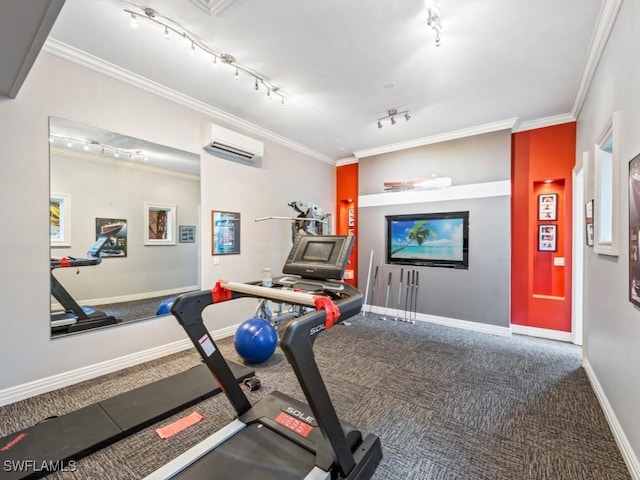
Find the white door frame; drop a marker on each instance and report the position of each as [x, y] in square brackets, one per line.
[577, 274]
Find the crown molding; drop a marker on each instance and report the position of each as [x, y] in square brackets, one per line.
[74, 55]
[601, 32]
[441, 137]
[544, 122]
[346, 161]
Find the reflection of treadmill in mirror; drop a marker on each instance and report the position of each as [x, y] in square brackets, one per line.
[73, 317]
[315, 260]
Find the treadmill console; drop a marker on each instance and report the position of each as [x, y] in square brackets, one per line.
[319, 257]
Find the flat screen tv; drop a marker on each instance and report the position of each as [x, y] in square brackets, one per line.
[429, 239]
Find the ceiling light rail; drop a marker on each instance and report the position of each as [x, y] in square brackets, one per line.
[391, 116]
[95, 147]
[151, 15]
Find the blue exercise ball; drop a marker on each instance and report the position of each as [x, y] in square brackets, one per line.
[255, 340]
[165, 306]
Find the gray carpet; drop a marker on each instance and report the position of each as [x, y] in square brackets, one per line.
[448, 404]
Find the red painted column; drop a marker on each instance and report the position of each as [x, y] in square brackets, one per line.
[347, 214]
[542, 164]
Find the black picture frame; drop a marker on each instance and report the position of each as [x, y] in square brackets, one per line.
[548, 207]
[548, 237]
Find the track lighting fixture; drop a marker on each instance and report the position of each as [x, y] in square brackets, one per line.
[434, 20]
[94, 147]
[392, 114]
[197, 46]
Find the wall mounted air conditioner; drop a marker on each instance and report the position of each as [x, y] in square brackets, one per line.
[232, 145]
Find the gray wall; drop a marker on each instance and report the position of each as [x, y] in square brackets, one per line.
[611, 322]
[106, 190]
[481, 293]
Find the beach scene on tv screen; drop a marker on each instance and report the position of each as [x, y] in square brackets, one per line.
[434, 239]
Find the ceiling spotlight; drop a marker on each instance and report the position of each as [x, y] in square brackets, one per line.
[236, 77]
[166, 33]
[193, 49]
[256, 86]
[134, 21]
[391, 116]
[434, 20]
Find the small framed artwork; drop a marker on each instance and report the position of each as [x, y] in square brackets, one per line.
[160, 224]
[588, 223]
[225, 233]
[59, 223]
[115, 229]
[548, 207]
[187, 234]
[547, 238]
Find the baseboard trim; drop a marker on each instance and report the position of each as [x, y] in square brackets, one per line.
[542, 333]
[54, 382]
[633, 463]
[131, 298]
[447, 322]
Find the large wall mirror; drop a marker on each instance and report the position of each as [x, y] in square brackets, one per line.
[124, 231]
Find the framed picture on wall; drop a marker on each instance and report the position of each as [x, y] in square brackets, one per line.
[160, 221]
[115, 229]
[634, 231]
[225, 233]
[59, 221]
[547, 238]
[548, 207]
[588, 223]
[187, 234]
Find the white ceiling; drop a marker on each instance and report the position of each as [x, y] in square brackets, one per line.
[344, 64]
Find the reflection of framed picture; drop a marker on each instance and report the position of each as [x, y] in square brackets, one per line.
[116, 230]
[548, 206]
[160, 224]
[547, 238]
[59, 222]
[225, 233]
[187, 234]
[588, 222]
[634, 231]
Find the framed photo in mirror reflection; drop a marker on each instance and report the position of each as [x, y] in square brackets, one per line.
[160, 224]
[115, 229]
[59, 219]
[187, 234]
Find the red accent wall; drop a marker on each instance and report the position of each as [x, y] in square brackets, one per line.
[347, 214]
[540, 285]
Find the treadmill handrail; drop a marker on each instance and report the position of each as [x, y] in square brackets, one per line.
[296, 342]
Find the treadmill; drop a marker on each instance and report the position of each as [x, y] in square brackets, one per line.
[280, 437]
[73, 317]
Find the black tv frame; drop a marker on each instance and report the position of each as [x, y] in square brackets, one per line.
[423, 261]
